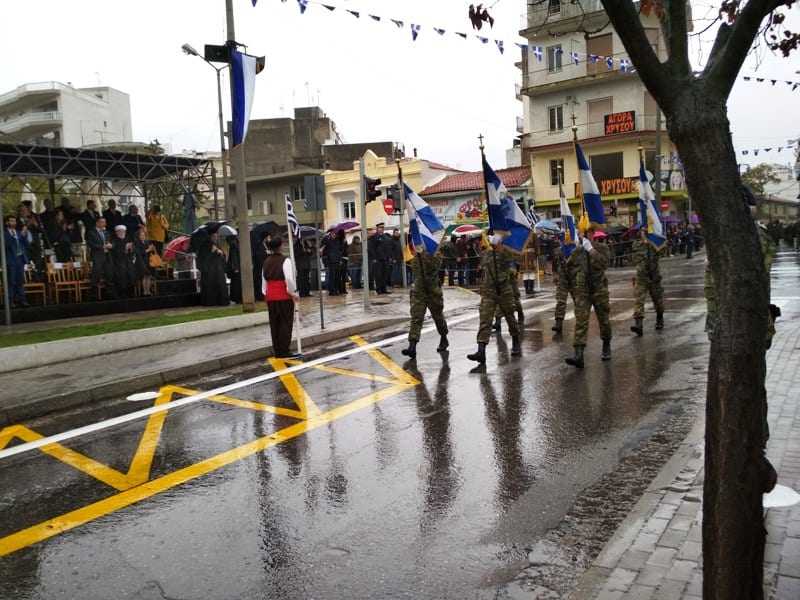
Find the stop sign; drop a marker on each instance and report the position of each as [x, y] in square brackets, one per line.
[388, 206]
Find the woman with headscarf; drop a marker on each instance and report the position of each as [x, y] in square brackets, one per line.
[281, 294]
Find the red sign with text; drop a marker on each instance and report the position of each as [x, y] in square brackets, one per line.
[388, 206]
[664, 205]
[621, 122]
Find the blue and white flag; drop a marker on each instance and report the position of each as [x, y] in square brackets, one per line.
[243, 72]
[592, 201]
[570, 240]
[291, 218]
[537, 52]
[504, 213]
[425, 227]
[532, 216]
[575, 57]
[303, 4]
[649, 218]
[415, 31]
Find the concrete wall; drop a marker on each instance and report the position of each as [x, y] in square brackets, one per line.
[94, 116]
[340, 157]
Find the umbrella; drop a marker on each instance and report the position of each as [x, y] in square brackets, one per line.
[210, 227]
[344, 226]
[180, 245]
[227, 231]
[308, 232]
[547, 226]
[262, 230]
[467, 229]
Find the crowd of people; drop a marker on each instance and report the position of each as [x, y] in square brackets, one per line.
[123, 250]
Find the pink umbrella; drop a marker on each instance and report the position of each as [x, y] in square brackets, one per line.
[180, 245]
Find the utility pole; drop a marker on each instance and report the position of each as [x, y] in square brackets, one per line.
[362, 198]
[238, 167]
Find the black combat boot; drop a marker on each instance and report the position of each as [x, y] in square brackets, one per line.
[659, 321]
[443, 344]
[411, 351]
[558, 326]
[480, 355]
[520, 318]
[516, 349]
[638, 328]
[577, 360]
[529, 286]
[497, 324]
[606, 350]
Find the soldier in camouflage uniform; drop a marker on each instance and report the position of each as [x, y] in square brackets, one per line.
[563, 288]
[587, 272]
[496, 290]
[648, 281]
[498, 314]
[426, 294]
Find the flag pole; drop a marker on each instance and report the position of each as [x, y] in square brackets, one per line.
[579, 191]
[294, 268]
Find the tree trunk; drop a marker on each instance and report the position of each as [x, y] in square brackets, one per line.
[733, 530]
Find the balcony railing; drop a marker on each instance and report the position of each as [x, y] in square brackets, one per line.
[30, 119]
[552, 11]
[585, 131]
[28, 88]
[520, 125]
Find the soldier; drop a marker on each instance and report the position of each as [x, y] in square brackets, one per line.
[648, 281]
[587, 272]
[563, 287]
[498, 314]
[426, 294]
[496, 290]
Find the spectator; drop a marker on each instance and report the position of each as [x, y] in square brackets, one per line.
[143, 249]
[112, 216]
[89, 216]
[461, 259]
[122, 257]
[232, 269]
[59, 236]
[157, 226]
[354, 262]
[380, 249]
[303, 252]
[99, 245]
[26, 217]
[132, 221]
[16, 258]
[449, 263]
[47, 218]
[211, 261]
[397, 259]
[333, 251]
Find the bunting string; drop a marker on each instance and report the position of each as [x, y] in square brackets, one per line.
[790, 146]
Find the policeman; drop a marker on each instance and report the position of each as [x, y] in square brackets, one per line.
[587, 272]
[426, 294]
[563, 288]
[498, 314]
[496, 290]
[648, 281]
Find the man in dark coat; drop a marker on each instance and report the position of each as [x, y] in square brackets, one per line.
[380, 250]
[302, 256]
[16, 258]
[112, 216]
[89, 216]
[99, 246]
[122, 257]
[132, 221]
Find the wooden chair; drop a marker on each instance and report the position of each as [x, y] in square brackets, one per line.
[82, 273]
[60, 279]
[34, 288]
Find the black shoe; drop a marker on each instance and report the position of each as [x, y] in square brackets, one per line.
[659, 321]
[606, 350]
[558, 326]
[520, 318]
[480, 355]
[516, 350]
[411, 351]
[638, 328]
[497, 325]
[443, 344]
[577, 360]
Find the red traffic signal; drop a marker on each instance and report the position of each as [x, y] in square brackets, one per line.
[388, 206]
[371, 186]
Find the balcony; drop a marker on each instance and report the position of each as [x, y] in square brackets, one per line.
[31, 122]
[553, 11]
[594, 131]
[518, 91]
[520, 125]
[19, 94]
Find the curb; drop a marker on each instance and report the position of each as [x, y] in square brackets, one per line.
[25, 410]
[600, 570]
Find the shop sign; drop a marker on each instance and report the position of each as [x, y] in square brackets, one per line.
[621, 122]
[618, 186]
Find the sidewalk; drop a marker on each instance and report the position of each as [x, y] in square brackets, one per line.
[657, 554]
[59, 385]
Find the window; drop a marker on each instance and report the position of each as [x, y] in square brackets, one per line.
[596, 111]
[349, 209]
[553, 7]
[556, 165]
[554, 58]
[298, 193]
[556, 118]
[607, 166]
[266, 207]
[249, 201]
[601, 46]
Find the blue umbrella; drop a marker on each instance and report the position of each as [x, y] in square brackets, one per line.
[547, 226]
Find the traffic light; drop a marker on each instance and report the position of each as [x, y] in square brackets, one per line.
[393, 193]
[371, 186]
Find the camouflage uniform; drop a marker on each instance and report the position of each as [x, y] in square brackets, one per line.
[496, 292]
[561, 277]
[710, 290]
[648, 278]
[426, 294]
[587, 272]
[514, 279]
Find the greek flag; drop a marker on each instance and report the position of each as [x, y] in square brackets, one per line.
[649, 218]
[537, 52]
[532, 216]
[291, 218]
[592, 201]
[243, 72]
[504, 213]
[425, 227]
[570, 241]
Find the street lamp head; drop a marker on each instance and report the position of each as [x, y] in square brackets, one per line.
[187, 49]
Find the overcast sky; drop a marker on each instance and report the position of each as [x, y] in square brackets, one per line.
[436, 94]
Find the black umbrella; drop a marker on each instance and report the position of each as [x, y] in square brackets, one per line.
[262, 230]
[309, 232]
[210, 227]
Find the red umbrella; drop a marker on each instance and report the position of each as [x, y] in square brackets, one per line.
[180, 245]
[467, 229]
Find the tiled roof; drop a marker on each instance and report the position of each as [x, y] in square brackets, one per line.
[441, 167]
[464, 182]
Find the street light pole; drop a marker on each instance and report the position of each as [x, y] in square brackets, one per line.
[238, 168]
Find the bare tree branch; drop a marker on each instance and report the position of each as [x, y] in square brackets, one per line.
[677, 38]
[655, 76]
[729, 52]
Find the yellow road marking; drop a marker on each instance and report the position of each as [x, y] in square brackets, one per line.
[347, 372]
[296, 391]
[386, 362]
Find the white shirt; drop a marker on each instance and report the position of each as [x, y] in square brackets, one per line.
[288, 275]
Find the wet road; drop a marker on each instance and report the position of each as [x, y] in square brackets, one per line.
[362, 477]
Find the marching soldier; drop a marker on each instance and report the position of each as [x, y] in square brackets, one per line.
[426, 294]
[563, 288]
[648, 281]
[587, 272]
[496, 291]
[498, 314]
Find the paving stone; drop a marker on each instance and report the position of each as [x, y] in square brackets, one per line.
[662, 557]
[639, 592]
[670, 590]
[646, 542]
[633, 559]
[772, 553]
[695, 586]
[609, 595]
[620, 579]
[790, 558]
[788, 587]
[682, 570]
[655, 525]
[672, 538]
[681, 523]
[691, 551]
